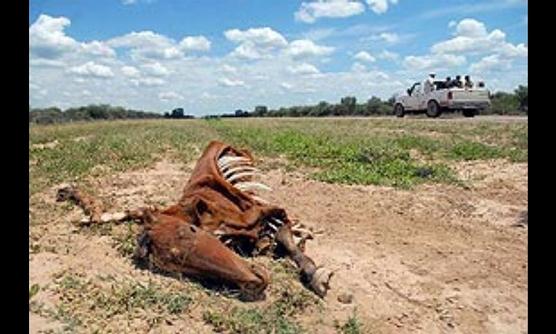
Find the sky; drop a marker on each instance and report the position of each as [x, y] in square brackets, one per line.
[216, 56]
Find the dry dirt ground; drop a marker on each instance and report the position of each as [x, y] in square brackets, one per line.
[434, 259]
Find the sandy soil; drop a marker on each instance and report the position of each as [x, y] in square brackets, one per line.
[434, 259]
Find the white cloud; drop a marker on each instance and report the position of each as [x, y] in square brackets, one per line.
[91, 69]
[380, 6]
[249, 51]
[388, 55]
[167, 96]
[468, 8]
[439, 61]
[195, 43]
[364, 56]
[472, 37]
[492, 63]
[452, 24]
[229, 69]
[386, 37]
[255, 43]
[319, 34]
[471, 28]
[130, 71]
[155, 69]
[286, 85]
[42, 62]
[306, 48]
[97, 48]
[389, 37]
[263, 37]
[147, 45]
[358, 67]
[142, 39]
[304, 69]
[148, 82]
[47, 38]
[231, 83]
[309, 12]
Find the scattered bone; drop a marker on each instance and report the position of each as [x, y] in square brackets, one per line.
[227, 161]
[240, 176]
[245, 186]
[231, 171]
[260, 200]
[272, 227]
[277, 221]
[112, 217]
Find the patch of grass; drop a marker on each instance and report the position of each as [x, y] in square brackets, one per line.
[125, 239]
[349, 160]
[468, 150]
[33, 290]
[352, 326]
[286, 300]
[348, 151]
[277, 317]
[425, 145]
[85, 303]
[116, 146]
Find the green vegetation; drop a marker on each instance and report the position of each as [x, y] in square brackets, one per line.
[86, 113]
[88, 304]
[61, 153]
[503, 103]
[351, 326]
[276, 316]
[33, 290]
[349, 151]
[395, 152]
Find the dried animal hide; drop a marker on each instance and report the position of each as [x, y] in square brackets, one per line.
[219, 217]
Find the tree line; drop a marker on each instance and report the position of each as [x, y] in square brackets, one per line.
[86, 113]
[502, 103]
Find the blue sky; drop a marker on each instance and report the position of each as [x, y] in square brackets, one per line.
[217, 56]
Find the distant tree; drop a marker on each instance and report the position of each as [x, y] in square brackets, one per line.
[348, 103]
[320, 109]
[522, 95]
[177, 113]
[503, 103]
[260, 111]
[374, 105]
[391, 100]
[241, 113]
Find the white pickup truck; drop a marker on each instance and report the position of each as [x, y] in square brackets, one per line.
[470, 101]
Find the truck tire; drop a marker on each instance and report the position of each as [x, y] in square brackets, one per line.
[398, 110]
[469, 112]
[433, 109]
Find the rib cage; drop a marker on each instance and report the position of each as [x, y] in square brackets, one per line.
[239, 172]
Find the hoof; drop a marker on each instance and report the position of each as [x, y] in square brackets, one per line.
[320, 282]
